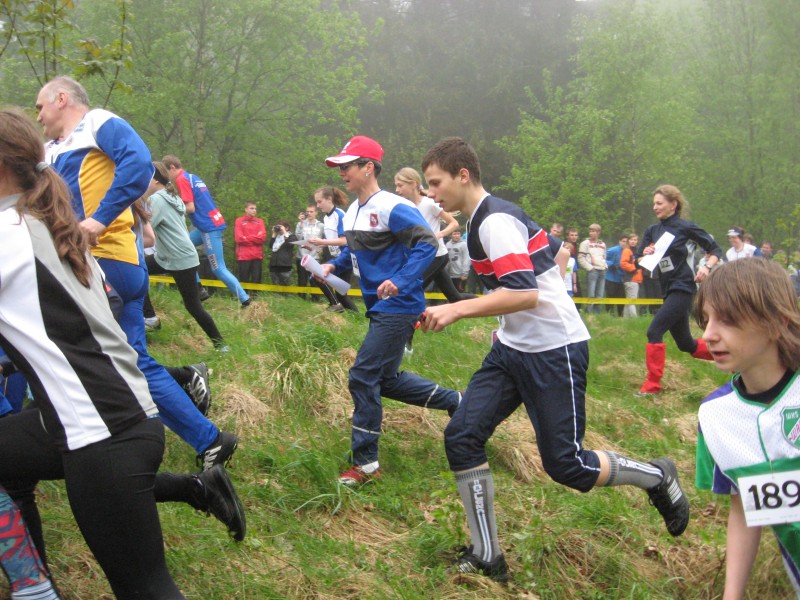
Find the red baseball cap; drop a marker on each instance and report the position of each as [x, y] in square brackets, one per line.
[358, 147]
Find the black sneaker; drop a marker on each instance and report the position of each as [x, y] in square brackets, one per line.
[247, 303]
[198, 388]
[204, 295]
[219, 498]
[218, 453]
[497, 570]
[669, 499]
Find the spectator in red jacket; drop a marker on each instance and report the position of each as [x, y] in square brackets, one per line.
[250, 235]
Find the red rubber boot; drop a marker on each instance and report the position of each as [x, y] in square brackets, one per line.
[702, 351]
[656, 355]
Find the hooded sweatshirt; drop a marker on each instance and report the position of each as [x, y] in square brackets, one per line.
[174, 249]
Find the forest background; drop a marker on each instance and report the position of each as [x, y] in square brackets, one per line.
[578, 109]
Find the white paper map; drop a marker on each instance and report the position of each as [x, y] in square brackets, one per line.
[650, 261]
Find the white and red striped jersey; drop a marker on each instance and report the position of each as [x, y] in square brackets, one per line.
[509, 250]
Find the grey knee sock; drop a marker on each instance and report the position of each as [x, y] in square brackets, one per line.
[476, 488]
[626, 471]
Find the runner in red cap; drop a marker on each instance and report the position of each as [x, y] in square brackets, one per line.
[389, 246]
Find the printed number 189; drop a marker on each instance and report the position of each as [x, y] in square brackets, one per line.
[771, 495]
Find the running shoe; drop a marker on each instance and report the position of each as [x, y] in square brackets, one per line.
[468, 562]
[218, 453]
[219, 498]
[669, 499]
[198, 388]
[355, 476]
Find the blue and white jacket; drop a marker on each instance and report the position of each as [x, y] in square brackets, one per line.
[387, 238]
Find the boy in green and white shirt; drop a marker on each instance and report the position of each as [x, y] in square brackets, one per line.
[749, 429]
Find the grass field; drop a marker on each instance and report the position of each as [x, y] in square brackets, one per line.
[283, 390]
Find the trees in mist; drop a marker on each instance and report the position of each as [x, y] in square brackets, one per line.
[577, 109]
[703, 95]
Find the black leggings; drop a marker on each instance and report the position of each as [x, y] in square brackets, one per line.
[110, 486]
[186, 280]
[332, 295]
[344, 300]
[149, 311]
[673, 316]
[437, 273]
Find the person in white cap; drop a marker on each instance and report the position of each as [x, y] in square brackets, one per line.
[389, 246]
[739, 248]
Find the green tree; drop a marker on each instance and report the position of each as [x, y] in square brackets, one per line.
[251, 94]
[748, 65]
[41, 39]
[558, 149]
[600, 145]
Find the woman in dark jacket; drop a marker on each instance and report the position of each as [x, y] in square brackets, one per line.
[677, 278]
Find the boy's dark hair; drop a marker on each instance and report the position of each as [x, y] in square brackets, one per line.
[451, 155]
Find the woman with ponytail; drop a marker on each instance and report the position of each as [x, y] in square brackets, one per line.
[95, 424]
[677, 279]
[408, 184]
[331, 202]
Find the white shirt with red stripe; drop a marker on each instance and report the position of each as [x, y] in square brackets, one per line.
[510, 251]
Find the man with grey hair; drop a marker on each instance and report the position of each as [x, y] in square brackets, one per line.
[62, 105]
[107, 167]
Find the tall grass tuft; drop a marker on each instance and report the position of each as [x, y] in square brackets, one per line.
[283, 389]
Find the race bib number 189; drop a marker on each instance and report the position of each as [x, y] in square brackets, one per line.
[771, 499]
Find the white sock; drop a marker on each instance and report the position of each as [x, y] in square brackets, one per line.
[370, 467]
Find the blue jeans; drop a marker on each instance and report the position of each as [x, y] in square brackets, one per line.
[212, 242]
[374, 374]
[595, 287]
[177, 410]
